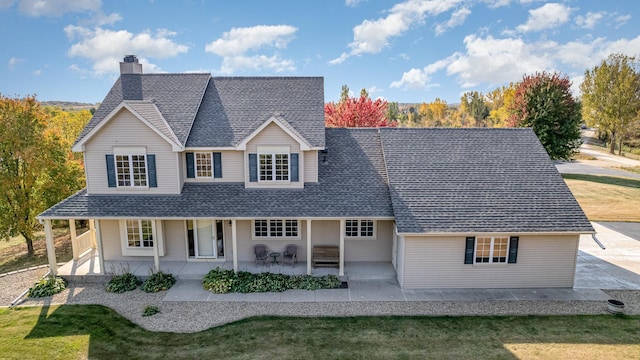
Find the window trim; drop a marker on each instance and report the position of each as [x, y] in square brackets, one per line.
[492, 250]
[140, 229]
[157, 234]
[360, 224]
[273, 152]
[269, 229]
[195, 164]
[130, 156]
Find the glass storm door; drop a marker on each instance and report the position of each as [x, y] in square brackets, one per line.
[205, 239]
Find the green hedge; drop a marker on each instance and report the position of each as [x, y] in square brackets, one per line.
[221, 281]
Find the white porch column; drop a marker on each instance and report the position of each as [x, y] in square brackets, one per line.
[156, 246]
[98, 236]
[309, 247]
[51, 250]
[74, 244]
[342, 230]
[234, 245]
[92, 232]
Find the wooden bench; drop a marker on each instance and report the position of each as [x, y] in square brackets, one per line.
[326, 256]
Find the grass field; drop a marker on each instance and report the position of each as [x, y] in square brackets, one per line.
[92, 331]
[606, 198]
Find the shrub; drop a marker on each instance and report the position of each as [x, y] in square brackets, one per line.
[150, 310]
[220, 281]
[158, 282]
[121, 283]
[47, 286]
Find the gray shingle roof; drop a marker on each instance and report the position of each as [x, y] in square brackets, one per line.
[352, 183]
[476, 180]
[177, 97]
[149, 111]
[234, 107]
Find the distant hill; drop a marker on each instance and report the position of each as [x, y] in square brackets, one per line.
[70, 105]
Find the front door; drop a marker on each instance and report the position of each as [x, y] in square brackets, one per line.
[201, 238]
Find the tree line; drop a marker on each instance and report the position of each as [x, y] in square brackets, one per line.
[609, 101]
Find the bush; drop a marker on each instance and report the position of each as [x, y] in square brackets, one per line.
[121, 283]
[158, 282]
[220, 281]
[47, 286]
[150, 310]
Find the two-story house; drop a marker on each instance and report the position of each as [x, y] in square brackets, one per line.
[195, 168]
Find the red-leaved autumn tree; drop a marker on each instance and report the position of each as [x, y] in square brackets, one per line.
[357, 112]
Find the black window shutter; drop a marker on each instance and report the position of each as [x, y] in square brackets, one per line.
[513, 249]
[111, 170]
[217, 165]
[294, 167]
[253, 167]
[468, 252]
[151, 166]
[191, 169]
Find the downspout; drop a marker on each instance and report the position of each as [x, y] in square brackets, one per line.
[593, 236]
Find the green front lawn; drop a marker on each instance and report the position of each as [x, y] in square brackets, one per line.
[96, 332]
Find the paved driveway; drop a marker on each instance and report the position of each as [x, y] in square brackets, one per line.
[617, 266]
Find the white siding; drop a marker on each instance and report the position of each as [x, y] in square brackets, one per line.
[400, 256]
[127, 130]
[438, 262]
[378, 249]
[311, 166]
[273, 135]
[232, 167]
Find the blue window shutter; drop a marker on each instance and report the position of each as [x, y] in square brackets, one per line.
[253, 167]
[513, 250]
[191, 168]
[468, 253]
[294, 167]
[111, 170]
[217, 165]
[151, 166]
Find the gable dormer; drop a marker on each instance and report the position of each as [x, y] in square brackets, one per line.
[277, 156]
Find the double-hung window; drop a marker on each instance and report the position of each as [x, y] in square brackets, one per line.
[273, 163]
[131, 170]
[139, 233]
[359, 228]
[275, 228]
[204, 164]
[491, 249]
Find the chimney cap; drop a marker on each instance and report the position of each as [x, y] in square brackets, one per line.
[130, 59]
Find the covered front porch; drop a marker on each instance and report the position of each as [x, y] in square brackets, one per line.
[88, 268]
[97, 252]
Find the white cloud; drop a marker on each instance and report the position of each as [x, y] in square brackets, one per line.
[37, 72]
[622, 19]
[496, 61]
[371, 36]
[457, 18]
[590, 20]
[420, 79]
[102, 19]
[57, 7]
[105, 48]
[13, 62]
[496, 3]
[6, 3]
[234, 45]
[353, 3]
[545, 17]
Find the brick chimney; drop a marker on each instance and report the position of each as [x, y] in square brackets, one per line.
[130, 65]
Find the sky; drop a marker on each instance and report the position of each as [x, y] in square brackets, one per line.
[406, 51]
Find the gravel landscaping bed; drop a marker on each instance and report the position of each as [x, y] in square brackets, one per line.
[197, 316]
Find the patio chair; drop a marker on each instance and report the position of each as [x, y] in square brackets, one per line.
[290, 254]
[262, 253]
